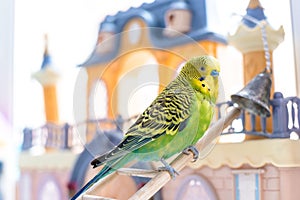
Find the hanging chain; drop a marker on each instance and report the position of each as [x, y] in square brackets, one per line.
[262, 24]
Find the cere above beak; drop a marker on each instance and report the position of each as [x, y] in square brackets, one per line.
[214, 73]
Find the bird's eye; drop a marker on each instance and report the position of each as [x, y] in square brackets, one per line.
[214, 73]
[202, 68]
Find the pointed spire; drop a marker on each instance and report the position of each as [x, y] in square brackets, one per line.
[46, 44]
[256, 11]
[47, 75]
[254, 4]
[47, 57]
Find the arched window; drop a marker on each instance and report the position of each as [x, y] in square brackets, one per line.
[49, 189]
[138, 86]
[98, 101]
[195, 187]
[180, 66]
[146, 90]
[25, 186]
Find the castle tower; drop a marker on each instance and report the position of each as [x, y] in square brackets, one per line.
[48, 77]
[248, 40]
[163, 34]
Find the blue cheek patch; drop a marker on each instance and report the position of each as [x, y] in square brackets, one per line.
[214, 73]
[202, 78]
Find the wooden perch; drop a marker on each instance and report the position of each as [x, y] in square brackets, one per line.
[146, 173]
[93, 197]
[159, 179]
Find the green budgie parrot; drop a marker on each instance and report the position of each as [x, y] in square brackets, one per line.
[174, 121]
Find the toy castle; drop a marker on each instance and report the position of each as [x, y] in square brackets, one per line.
[148, 44]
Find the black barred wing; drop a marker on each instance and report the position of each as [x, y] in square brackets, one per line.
[164, 116]
[168, 114]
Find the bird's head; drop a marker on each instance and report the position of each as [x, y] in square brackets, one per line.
[203, 74]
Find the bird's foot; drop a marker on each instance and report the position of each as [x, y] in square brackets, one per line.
[193, 150]
[168, 168]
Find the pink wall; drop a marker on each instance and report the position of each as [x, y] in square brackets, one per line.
[275, 183]
[289, 183]
[36, 179]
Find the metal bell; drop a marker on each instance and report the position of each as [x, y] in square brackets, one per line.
[254, 97]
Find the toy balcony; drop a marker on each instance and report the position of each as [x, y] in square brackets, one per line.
[285, 121]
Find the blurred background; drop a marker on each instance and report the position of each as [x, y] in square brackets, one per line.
[71, 27]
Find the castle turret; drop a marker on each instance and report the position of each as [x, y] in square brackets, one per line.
[248, 40]
[47, 76]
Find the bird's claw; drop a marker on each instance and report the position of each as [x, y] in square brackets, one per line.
[168, 168]
[171, 171]
[194, 151]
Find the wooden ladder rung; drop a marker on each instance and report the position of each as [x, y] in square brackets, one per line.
[93, 197]
[160, 178]
[146, 173]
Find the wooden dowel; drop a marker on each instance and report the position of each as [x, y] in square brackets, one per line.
[146, 173]
[182, 160]
[93, 197]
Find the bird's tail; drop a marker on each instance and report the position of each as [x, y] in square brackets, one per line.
[106, 170]
[109, 168]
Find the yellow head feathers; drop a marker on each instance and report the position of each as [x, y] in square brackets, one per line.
[203, 72]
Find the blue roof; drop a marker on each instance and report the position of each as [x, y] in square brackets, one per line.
[46, 57]
[203, 25]
[257, 13]
[46, 61]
